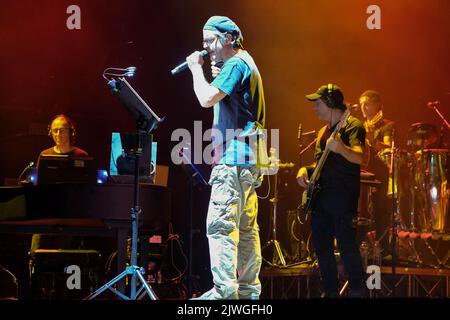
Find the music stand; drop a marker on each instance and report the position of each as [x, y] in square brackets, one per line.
[146, 121]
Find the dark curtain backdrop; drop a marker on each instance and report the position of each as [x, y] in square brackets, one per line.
[47, 69]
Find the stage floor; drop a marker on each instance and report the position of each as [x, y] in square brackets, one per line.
[302, 282]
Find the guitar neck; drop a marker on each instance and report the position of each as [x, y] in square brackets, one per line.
[318, 169]
[316, 174]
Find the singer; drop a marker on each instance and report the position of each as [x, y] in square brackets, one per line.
[238, 99]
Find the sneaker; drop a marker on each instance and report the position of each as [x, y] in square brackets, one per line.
[214, 295]
[252, 296]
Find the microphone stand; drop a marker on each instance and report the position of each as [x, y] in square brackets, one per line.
[195, 179]
[433, 105]
[394, 206]
[300, 143]
[445, 124]
[28, 167]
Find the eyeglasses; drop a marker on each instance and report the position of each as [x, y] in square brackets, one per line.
[60, 130]
[209, 41]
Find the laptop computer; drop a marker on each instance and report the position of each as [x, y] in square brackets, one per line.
[56, 169]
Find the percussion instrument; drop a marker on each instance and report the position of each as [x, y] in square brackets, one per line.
[368, 184]
[431, 180]
[421, 135]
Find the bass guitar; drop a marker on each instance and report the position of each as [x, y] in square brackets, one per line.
[310, 194]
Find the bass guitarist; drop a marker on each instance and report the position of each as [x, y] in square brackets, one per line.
[334, 202]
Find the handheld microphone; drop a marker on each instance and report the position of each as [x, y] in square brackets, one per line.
[184, 65]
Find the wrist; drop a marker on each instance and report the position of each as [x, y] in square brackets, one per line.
[343, 150]
[195, 68]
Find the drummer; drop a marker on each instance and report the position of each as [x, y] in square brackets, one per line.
[379, 136]
[379, 130]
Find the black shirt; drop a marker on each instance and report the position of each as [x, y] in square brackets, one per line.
[337, 171]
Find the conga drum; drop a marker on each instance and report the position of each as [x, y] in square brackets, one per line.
[432, 176]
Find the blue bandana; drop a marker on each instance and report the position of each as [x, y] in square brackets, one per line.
[224, 25]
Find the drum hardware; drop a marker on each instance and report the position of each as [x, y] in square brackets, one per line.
[445, 124]
[368, 185]
[434, 105]
[392, 172]
[428, 252]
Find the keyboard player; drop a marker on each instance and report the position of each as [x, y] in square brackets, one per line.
[63, 133]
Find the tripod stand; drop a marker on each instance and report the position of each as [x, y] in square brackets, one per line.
[133, 270]
[277, 253]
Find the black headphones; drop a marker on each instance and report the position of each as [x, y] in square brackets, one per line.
[329, 97]
[69, 121]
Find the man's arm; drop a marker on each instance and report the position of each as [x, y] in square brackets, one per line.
[207, 94]
[354, 154]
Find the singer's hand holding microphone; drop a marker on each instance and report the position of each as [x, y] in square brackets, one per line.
[196, 58]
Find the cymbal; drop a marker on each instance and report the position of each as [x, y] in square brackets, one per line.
[422, 135]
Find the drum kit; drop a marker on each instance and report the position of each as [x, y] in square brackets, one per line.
[419, 182]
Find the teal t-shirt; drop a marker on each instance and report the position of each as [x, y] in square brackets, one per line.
[239, 115]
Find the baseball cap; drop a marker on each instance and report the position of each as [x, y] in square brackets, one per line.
[331, 94]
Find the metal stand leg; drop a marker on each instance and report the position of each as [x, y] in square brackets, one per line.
[277, 253]
[133, 270]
